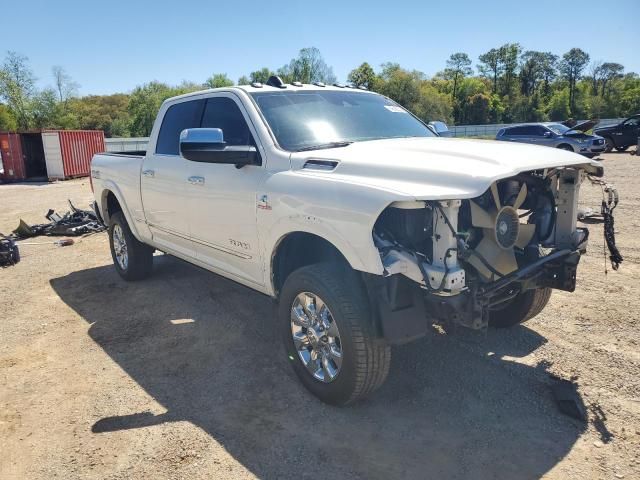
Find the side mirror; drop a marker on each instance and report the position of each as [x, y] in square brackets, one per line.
[547, 134]
[207, 145]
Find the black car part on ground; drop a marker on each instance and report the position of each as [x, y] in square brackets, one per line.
[9, 252]
[73, 223]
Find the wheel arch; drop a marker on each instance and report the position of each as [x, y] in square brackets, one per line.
[112, 201]
[298, 249]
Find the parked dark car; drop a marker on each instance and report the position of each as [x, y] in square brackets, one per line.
[557, 135]
[622, 135]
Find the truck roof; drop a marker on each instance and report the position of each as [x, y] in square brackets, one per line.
[268, 88]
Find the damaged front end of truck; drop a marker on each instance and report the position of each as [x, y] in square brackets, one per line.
[459, 261]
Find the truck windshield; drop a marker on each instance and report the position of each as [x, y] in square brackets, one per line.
[301, 120]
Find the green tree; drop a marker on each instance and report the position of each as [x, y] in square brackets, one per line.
[144, 104]
[479, 109]
[17, 87]
[432, 105]
[509, 54]
[64, 84]
[102, 112]
[218, 80]
[491, 66]
[400, 85]
[244, 80]
[307, 67]
[537, 68]
[363, 76]
[609, 71]
[572, 65]
[558, 108]
[261, 75]
[7, 120]
[458, 67]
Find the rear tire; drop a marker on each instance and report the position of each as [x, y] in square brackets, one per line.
[133, 259]
[364, 358]
[524, 307]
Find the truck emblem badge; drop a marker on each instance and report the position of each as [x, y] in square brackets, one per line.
[263, 203]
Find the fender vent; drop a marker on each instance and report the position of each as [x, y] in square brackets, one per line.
[317, 164]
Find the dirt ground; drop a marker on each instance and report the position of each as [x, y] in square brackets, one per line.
[183, 376]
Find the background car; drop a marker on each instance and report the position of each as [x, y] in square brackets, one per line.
[441, 129]
[622, 135]
[556, 135]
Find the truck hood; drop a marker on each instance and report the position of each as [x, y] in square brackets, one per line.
[432, 168]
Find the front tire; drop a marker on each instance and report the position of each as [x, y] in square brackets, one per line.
[622, 149]
[523, 307]
[608, 144]
[329, 336]
[133, 259]
[566, 147]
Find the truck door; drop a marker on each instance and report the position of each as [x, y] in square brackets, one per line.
[630, 130]
[164, 180]
[222, 198]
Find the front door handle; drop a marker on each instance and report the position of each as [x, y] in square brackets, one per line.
[149, 173]
[196, 180]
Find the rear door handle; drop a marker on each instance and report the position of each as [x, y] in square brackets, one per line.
[196, 180]
[148, 173]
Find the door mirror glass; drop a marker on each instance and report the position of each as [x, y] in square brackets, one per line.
[547, 134]
[208, 145]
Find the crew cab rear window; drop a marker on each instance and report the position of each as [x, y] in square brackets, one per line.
[223, 113]
[178, 117]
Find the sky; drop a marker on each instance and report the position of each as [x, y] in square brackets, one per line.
[119, 44]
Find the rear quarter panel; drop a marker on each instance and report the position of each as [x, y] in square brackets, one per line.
[120, 174]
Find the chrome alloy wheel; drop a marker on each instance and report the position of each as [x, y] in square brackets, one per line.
[120, 247]
[316, 337]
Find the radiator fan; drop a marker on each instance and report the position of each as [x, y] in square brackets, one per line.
[502, 231]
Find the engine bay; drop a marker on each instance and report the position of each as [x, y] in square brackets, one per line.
[467, 256]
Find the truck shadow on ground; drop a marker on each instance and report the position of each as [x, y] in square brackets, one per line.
[208, 350]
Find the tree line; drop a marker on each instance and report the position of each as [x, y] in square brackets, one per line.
[508, 84]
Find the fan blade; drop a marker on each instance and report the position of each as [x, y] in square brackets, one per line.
[506, 262]
[496, 195]
[480, 217]
[501, 260]
[522, 196]
[525, 234]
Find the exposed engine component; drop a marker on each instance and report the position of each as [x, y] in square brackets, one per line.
[469, 258]
[502, 231]
[427, 254]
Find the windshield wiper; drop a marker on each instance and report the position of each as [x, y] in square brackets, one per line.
[325, 145]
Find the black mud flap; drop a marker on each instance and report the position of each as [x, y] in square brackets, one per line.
[398, 306]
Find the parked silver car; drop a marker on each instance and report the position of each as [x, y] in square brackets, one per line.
[558, 135]
[441, 128]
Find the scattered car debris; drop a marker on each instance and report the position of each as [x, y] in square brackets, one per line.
[9, 251]
[73, 223]
[60, 243]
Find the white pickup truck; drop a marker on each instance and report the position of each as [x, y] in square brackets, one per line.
[364, 225]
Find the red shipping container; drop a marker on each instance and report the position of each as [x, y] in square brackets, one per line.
[12, 160]
[52, 154]
[77, 148]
